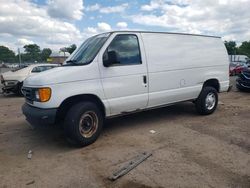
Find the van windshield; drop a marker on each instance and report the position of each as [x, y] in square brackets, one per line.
[87, 51]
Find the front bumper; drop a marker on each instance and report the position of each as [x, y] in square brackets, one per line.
[7, 89]
[39, 116]
[9, 86]
[243, 83]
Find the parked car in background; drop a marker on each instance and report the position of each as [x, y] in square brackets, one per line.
[13, 80]
[236, 68]
[243, 81]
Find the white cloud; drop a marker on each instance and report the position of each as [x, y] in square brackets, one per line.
[152, 6]
[24, 41]
[64, 9]
[122, 25]
[103, 27]
[229, 37]
[220, 17]
[23, 21]
[91, 30]
[93, 7]
[100, 28]
[108, 9]
[114, 9]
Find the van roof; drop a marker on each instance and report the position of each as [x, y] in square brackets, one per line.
[175, 33]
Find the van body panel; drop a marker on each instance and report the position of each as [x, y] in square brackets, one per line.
[224, 86]
[178, 65]
[163, 85]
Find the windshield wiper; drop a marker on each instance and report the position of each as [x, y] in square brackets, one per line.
[70, 62]
[73, 63]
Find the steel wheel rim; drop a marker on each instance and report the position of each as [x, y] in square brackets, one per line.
[88, 124]
[210, 101]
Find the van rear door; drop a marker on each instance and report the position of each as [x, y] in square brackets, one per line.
[124, 73]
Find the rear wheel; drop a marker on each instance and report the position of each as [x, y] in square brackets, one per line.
[83, 123]
[207, 101]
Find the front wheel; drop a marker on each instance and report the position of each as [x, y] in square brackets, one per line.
[207, 101]
[83, 123]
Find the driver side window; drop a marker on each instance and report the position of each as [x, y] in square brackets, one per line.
[123, 50]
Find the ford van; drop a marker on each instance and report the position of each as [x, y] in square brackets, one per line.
[123, 72]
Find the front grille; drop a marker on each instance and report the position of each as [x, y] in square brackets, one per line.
[29, 94]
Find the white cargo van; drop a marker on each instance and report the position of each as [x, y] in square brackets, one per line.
[120, 72]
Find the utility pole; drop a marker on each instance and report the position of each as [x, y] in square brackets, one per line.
[19, 55]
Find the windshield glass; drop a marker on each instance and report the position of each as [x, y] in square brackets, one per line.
[88, 50]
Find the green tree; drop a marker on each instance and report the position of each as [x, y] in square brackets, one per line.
[71, 48]
[7, 55]
[32, 52]
[244, 48]
[231, 47]
[46, 52]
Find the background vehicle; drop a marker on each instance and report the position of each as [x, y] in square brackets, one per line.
[13, 80]
[122, 72]
[243, 80]
[236, 68]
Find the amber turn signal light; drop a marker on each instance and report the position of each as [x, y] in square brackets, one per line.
[44, 94]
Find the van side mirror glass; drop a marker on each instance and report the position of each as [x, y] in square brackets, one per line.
[111, 59]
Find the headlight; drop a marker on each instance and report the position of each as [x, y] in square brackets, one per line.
[43, 94]
[11, 82]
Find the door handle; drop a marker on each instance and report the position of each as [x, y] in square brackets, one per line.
[144, 79]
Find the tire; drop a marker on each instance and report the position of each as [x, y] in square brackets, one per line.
[18, 90]
[207, 101]
[83, 123]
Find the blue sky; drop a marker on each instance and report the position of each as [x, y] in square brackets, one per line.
[58, 23]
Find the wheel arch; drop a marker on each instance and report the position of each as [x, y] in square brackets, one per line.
[70, 101]
[213, 82]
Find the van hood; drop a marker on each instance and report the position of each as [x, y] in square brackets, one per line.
[62, 74]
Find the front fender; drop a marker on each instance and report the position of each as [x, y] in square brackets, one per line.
[93, 87]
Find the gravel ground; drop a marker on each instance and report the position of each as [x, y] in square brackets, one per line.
[188, 150]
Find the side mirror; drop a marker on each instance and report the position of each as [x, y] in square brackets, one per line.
[111, 59]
